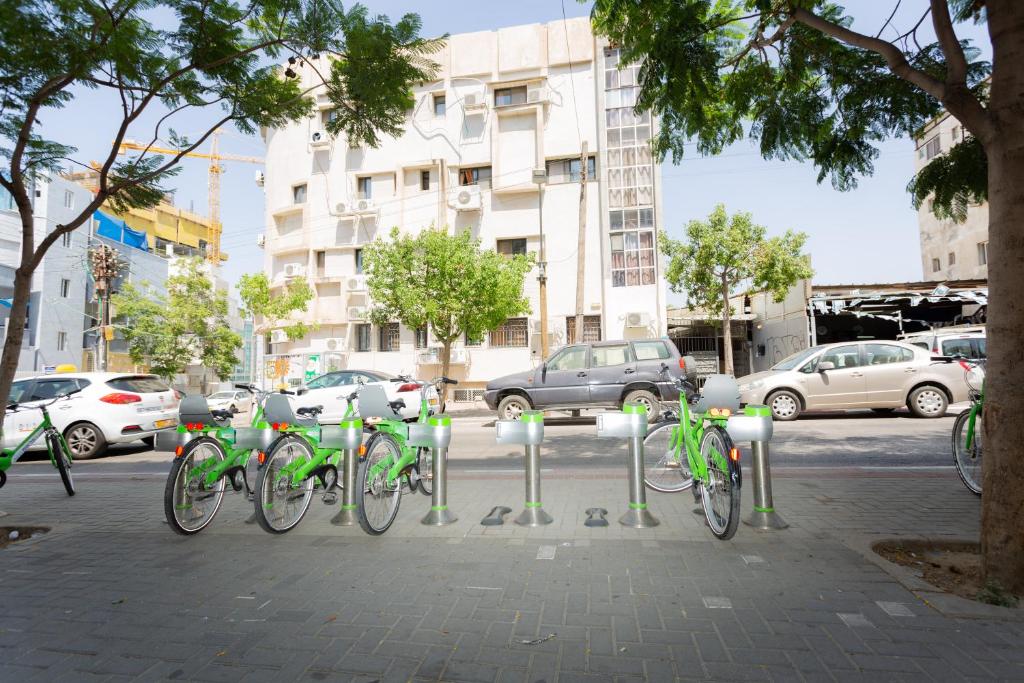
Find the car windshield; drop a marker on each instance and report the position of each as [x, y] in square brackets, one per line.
[796, 359]
[223, 394]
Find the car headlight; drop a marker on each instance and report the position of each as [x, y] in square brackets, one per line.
[750, 386]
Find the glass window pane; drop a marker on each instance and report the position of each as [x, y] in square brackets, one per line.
[618, 242]
[648, 276]
[632, 278]
[629, 156]
[646, 218]
[646, 239]
[611, 79]
[612, 118]
[632, 241]
[614, 158]
[613, 138]
[605, 356]
[615, 221]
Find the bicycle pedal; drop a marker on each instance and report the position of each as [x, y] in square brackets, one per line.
[330, 498]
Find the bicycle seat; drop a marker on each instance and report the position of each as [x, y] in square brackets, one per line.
[720, 391]
[221, 414]
[194, 409]
[397, 404]
[310, 411]
[279, 409]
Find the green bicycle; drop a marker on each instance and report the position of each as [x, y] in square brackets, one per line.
[711, 462]
[967, 429]
[390, 458]
[209, 453]
[56, 446]
[305, 457]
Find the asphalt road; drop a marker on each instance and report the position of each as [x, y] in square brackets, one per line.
[859, 440]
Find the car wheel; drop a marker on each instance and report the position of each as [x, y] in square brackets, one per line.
[785, 405]
[512, 407]
[85, 440]
[648, 401]
[928, 401]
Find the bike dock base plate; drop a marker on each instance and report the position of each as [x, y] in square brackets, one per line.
[638, 518]
[595, 517]
[533, 516]
[765, 520]
[496, 517]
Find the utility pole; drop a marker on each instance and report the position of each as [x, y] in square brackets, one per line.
[540, 176]
[581, 244]
[105, 265]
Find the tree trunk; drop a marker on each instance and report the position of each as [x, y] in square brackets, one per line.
[1002, 514]
[15, 333]
[726, 326]
[446, 364]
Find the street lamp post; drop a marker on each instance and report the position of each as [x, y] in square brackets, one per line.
[540, 176]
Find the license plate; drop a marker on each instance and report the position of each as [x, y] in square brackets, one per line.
[160, 424]
[433, 402]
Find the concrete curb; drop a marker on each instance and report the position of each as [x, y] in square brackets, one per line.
[942, 602]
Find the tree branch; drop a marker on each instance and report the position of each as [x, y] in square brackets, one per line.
[956, 62]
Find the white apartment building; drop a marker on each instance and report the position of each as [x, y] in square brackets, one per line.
[505, 103]
[949, 250]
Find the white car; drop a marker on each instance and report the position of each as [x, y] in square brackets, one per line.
[329, 390]
[110, 407]
[237, 401]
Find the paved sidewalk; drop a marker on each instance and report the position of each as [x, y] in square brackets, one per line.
[112, 594]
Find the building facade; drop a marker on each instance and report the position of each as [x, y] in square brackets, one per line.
[949, 250]
[505, 103]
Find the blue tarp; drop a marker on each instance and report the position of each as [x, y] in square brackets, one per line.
[116, 229]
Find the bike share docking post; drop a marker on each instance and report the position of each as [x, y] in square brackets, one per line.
[631, 424]
[349, 439]
[755, 426]
[435, 434]
[528, 431]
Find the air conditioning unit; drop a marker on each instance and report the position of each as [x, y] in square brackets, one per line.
[319, 139]
[278, 336]
[337, 344]
[356, 283]
[474, 101]
[294, 270]
[261, 240]
[536, 92]
[638, 319]
[465, 198]
[365, 206]
[259, 178]
[357, 313]
[342, 208]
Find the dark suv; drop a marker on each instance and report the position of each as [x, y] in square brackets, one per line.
[599, 375]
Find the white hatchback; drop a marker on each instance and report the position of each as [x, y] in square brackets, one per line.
[329, 390]
[109, 407]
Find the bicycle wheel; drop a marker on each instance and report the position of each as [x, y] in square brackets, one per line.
[425, 470]
[279, 505]
[721, 492]
[665, 466]
[189, 505]
[62, 461]
[968, 460]
[378, 503]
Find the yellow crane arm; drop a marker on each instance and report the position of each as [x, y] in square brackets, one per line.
[127, 146]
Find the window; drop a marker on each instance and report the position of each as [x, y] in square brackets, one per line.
[512, 247]
[476, 176]
[388, 337]
[362, 337]
[512, 332]
[956, 133]
[957, 347]
[299, 194]
[69, 199]
[842, 357]
[884, 354]
[139, 384]
[982, 253]
[65, 287]
[936, 265]
[18, 390]
[321, 262]
[607, 356]
[52, 388]
[439, 105]
[421, 337]
[326, 116]
[572, 358]
[359, 261]
[65, 240]
[650, 350]
[591, 329]
[7, 201]
[568, 170]
[504, 97]
[62, 341]
[952, 258]
[424, 181]
[933, 147]
[632, 251]
[364, 187]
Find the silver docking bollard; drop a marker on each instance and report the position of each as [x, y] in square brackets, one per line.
[755, 426]
[435, 434]
[348, 436]
[631, 424]
[528, 431]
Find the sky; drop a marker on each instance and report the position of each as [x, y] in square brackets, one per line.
[868, 235]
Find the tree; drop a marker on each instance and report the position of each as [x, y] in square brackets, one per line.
[219, 57]
[274, 311]
[188, 325]
[726, 255]
[794, 75]
[445, 282]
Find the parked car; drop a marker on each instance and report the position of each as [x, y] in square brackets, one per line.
[112, 407]
[598, 375]
[236, 400]
[966, 341]
[880, 375]
[329, 390]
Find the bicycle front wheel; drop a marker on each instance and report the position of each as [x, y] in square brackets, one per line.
[379, 500]
[62, 461]
[968, 460]
[425, 470]
[189, 505]
[721, 492]
[666, 468]
[279, 505]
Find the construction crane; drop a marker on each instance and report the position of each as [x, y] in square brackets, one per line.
[215, 157]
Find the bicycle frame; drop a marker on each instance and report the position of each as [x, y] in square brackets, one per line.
[977, 404]
[9, 457]
[400, 431]
[210, 470]
[688, 433]
[301, 469]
